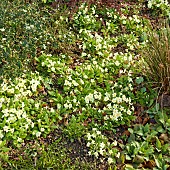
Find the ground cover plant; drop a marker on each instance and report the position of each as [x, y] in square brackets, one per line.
[78, 88]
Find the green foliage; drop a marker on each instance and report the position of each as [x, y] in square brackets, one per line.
[159, 7]
[83, 94]
[22, 117]
[74, 129]
[157, 57]
[101, 147]
[47, 1]
[43, 156]
[87, 81]
[150, 148]
[27, 30]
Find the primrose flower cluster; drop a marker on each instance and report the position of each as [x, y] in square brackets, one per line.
[85, 17]
[83, 88]
[21, 116]
[99, 39]
[100, 147]
[157, 3]
[162, 5]
[100, 87]
[51, 64]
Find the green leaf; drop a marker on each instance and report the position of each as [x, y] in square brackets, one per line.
[128, 157]
[46, 119]
[129, 167]
[130, 130]
[160, 129]
[139, 80]
[143, 89]
[138, 159]
[131, 138]
[146, 128]
[44, 1]
[121, 159]
[52, 93]
[143, 37]
[140, 132]
[5, 149]
[158, 143]
[151, 102]
[158, 163]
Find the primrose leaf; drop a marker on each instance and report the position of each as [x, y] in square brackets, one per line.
[130, 130]
[5, 149]
[52, 93]
[44, 1]
[158, 163]
[158, 144]
[131, 138]
[129, 167]
[146, 128]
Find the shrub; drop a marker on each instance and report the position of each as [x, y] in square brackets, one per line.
[27, 30]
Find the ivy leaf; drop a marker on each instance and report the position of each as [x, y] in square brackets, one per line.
[139, 80]
[143, 89]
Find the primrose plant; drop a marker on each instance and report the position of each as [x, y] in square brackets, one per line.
[101, 147]
[160, 5]
[23, 117]
[99, 35]
[83, 90]
[99, 88]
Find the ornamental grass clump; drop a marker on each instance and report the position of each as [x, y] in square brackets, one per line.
[156, 56]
